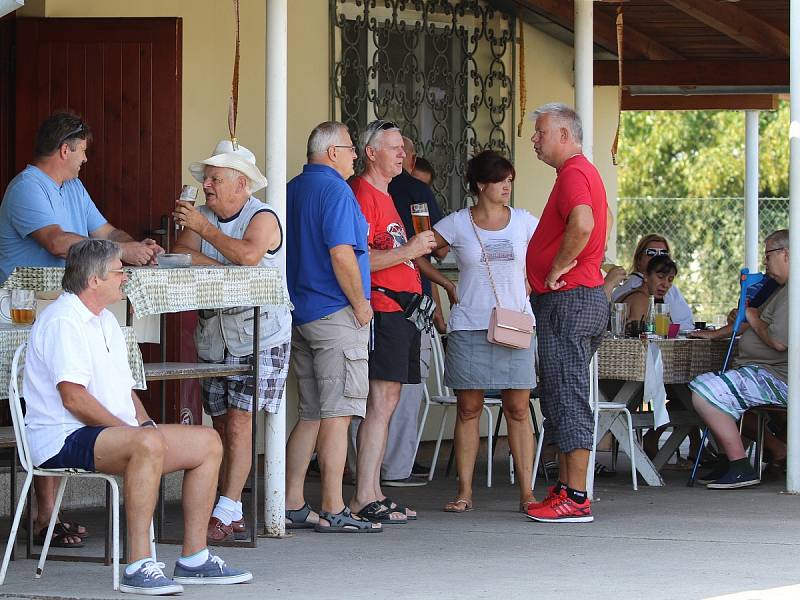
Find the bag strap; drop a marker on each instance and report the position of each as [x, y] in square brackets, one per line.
[485, 258]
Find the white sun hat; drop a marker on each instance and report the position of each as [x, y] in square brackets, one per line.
[240, 159]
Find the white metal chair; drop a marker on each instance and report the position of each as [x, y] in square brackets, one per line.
[597, 407]
[65, 475]
[443, 396]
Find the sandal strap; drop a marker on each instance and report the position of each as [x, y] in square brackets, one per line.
[344, 519]
[300, 515]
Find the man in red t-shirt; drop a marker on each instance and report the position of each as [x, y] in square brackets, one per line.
[394, 356]
[571, 308]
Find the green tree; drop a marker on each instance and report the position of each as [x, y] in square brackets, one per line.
[681, 174]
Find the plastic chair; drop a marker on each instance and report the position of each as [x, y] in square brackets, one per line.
[65, 474]
[443, 396]
[597, 407]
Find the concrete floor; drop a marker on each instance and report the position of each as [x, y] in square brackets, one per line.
[658, 543]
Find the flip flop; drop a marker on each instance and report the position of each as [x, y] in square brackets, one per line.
[60, 538]
[453, 507]
[395, 507]
[298, 519]
[344, 522]
[378, 513]
[74, 528]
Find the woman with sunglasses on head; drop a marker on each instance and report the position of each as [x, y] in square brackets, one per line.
[657, 282]
[650, 246]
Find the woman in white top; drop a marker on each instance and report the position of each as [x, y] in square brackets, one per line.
[649, 246]
[472, 364]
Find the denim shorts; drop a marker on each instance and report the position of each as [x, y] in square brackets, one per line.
[77, 451]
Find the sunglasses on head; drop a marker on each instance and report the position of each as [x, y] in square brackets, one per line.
[656, 252]
[379, 125]
[81, 127]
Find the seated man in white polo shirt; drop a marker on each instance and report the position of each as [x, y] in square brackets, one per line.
[82, 413]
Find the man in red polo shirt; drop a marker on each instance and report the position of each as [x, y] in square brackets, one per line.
[563, 262]
[394, 356]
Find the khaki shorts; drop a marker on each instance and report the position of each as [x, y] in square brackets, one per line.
[331, 362]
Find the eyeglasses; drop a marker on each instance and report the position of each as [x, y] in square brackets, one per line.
[352, 149]
[379, 125]
[656, 252]
[116, 271]
[72, 134]
[766, 252]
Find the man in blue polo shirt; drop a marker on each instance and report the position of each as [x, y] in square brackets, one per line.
[46, 209]
[44, 212]
[328, 277]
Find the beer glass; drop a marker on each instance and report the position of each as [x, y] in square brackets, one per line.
[619, 316]
[188, 195]
[662, 320]
[420, 217]
[23, 307]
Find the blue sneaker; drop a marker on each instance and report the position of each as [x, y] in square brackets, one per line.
[149, 580]
[735, 479]
[213, 572]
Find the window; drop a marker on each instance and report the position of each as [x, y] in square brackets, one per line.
[440, 69]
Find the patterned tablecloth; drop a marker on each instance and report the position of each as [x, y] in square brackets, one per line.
[683, 358]
[11, 336]
[153, 290]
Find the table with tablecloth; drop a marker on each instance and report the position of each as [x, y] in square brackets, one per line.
[644, 367]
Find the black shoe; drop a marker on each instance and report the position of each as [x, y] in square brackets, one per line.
[719, 470]
[419, 470]
[410, 481]
[735, 479]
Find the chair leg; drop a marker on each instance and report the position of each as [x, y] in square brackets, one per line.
[760, 426]
[53, 520]
[115, 532]
[438, 443]
[489, 447]
[12, 536]
[538, 457]
[537, 434]
[497, 429]
[421, 429]
[697, 458]
[153, 542]
[633, 455]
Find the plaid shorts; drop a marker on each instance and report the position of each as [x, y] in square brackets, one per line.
[735, 391]
[569, 326]
[237, 390]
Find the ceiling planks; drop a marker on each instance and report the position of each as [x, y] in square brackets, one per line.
[738, 24]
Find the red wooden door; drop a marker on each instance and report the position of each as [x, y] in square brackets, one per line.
[123, 77]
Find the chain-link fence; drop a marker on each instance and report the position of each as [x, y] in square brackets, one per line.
[706, 236]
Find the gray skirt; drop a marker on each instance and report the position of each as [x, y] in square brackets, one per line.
[472, 363]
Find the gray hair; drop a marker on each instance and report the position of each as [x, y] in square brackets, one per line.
[374, 133]
[87, 258]
[779, 238]
[323, 136]
[565, 115]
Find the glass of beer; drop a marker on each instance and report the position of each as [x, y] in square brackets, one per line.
[188, 195]
[420, 217]
[662, 320]
[23, 307]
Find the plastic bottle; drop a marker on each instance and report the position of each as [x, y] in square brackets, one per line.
[650, 322]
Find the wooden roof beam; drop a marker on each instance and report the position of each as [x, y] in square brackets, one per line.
[737, 24]
[635, 44]
[731, 73]
[726, 102]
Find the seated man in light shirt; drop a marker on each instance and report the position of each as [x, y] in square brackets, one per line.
[82, 413]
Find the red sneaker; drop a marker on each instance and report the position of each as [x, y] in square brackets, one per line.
[562, 510]
[551, 496]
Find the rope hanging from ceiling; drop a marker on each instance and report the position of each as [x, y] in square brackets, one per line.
[619, 88]
[233, 104]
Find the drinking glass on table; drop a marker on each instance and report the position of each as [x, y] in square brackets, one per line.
[619, 316]
[420, 217]
[23, 307]
[662, 319]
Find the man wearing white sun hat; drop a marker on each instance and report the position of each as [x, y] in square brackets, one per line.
[235, 228]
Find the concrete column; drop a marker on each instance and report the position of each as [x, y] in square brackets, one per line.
[584, 73]
[276, 117]
[752, 252]
[793, 433]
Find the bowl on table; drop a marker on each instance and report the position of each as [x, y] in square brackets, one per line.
[174, 261]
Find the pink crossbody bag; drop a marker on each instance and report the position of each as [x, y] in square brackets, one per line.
[509, 328]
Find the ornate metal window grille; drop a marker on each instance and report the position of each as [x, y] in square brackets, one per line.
[440, 69]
